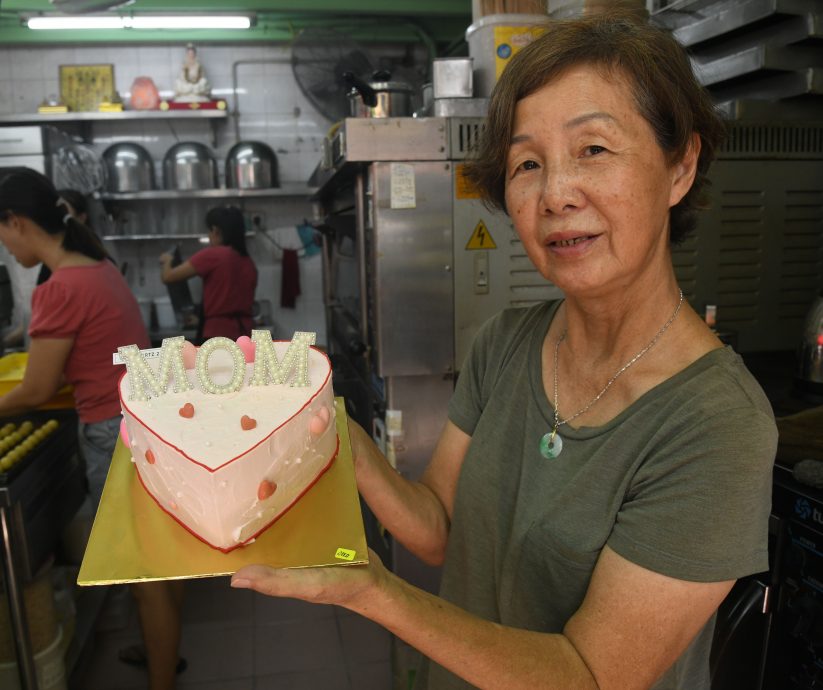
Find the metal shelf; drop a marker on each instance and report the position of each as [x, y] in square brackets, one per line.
[159, 236]
[294, 190]
[162, 236]
[125, 115]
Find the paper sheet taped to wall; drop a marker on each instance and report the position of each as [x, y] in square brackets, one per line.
[402, 186]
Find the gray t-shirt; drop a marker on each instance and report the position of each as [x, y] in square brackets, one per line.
[679, 483]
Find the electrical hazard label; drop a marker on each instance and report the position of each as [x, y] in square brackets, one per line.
[481, 238]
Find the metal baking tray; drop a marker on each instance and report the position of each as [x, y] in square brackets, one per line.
[61, 443]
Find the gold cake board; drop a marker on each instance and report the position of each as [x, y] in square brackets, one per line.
[133, 540]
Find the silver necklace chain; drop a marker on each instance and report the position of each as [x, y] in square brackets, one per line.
[560, 422]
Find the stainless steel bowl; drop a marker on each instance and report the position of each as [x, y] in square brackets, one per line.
[129, 168]
[189, 165]
[251, 165]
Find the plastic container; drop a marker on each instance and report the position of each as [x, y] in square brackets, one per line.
[567, 9]
[49, 668]
[494, 39]
[41, 616]
[452, 77]
[12, 368]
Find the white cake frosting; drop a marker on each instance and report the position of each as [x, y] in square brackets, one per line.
[226, 479]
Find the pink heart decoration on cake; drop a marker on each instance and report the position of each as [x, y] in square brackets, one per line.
[187, 411]
[246, 345]
[189, 355]
[266, 489]
[209, 471]
[124, 433]
[320, 421]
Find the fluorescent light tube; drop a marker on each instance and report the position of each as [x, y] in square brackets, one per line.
[190, 22]
[141, 22]
[45, 23]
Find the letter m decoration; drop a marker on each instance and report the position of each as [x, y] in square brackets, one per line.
[268, 368]
[142, 380]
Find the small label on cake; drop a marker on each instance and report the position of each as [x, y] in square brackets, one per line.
[148, 354]
[345, 554]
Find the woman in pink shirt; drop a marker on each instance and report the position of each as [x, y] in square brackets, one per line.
[80, 316]
[228, 272]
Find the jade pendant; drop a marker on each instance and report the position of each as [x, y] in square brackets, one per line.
[551, 445]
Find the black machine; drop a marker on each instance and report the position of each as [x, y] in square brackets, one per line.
[179, 292]
[6, 297]
[795, 654]
[769, 632]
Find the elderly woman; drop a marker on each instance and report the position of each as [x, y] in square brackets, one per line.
[604, 474]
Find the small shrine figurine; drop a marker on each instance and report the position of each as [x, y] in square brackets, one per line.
[192, 86]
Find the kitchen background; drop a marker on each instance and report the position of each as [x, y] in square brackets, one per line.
[754, 268]
[258, 84]
[269, 107]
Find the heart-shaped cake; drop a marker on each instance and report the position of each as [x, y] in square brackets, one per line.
[233, 444]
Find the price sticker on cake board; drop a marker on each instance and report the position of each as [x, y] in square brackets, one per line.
[133, 540]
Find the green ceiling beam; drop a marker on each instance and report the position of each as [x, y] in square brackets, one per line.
[437, 22]
[416, 8]
[441, 33]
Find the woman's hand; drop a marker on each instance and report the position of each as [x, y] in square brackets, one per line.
[361, 442]
[349, 586]
[165, 259]
[417, 513]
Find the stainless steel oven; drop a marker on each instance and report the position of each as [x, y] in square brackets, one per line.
[413, 266]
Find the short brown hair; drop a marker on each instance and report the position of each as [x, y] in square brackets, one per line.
[665, 90]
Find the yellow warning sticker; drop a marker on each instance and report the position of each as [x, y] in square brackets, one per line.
[464, 189]
[481, 238]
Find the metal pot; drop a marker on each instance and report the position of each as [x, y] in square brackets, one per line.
[189, 165]
[251, 165]
[379, 97]
[129, 168]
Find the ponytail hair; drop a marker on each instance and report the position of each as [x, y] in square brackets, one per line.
[25, 192]
[232, 226]
[77, 200]
[79, 238]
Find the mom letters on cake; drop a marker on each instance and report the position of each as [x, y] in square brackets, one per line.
[268, 369]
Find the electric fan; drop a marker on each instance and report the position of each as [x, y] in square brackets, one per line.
[319, 59]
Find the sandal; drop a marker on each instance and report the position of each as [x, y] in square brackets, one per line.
[135, 655]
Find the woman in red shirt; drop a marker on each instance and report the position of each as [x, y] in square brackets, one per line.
[228, 272]
[80, 316]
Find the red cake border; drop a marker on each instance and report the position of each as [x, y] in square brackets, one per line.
[262, 529]
[245, 452]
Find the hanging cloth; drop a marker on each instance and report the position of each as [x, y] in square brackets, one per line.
[290, 284]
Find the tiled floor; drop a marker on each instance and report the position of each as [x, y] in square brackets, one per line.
[240, 640]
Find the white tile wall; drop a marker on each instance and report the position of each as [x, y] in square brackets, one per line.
[26, 64]
[271, 107]
[6, 95]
